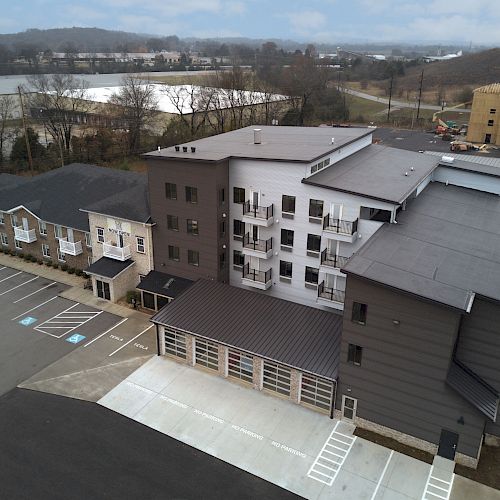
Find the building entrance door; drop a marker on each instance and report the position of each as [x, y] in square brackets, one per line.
[487, 139]
[448, 444]
[349, 406]
[103, 290]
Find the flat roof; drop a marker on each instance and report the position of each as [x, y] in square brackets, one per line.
[164, 284]
[108, 268]
[479, 164]
[279, 143]
[445, 248]
[377, 172]
[293, 334]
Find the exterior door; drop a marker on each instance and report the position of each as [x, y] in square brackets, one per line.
[448, 444]
[255, 198]
[70, 235]
[255, 233]
[349, 406]
[487, 138]
[103, 290]
[25, 224]
[120, 240]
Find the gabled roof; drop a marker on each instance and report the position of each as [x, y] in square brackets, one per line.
[164, 284]
[108, 268]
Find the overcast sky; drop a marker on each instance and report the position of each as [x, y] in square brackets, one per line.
[312, 20]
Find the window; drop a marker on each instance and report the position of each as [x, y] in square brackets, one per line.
[5, 240]
[240, 365]
[313, 243]
[170, 191]
[88, 239]
[222, 196]
[239, 195]
[173, 222]
[175, 343]
[13, 220]
[58, 231]
[276, 378]
[2, 218]
[359, 313]
[173, 253]
[493, 111]
[192, 226]
[191, 194]
[61, 256]
[141, 247]
[46, 251]
[42, 227]
[222, 261]
[285, 269]
[316, 208]
[490, 123]
[354, 354]
[18, 244]
[287, 237]
[238, 258]
[194, 257]
[316, 392]
[288, 204]
[100, 234]
[238, 229]
[222, 229]
[312, 275]
[206, 354]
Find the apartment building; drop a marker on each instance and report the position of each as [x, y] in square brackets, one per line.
[484, 123]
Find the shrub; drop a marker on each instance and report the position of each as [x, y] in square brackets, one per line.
[71, 270]
[48, 263]
[55, 265]
[85, 275]
[40, 261]
[20, 254]
[78, 272]
[133, 294]
[64, 267]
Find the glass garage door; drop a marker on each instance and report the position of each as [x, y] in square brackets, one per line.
[240, 365]
[276, 378]
[316, 392]
[207, 354]
[175, 343]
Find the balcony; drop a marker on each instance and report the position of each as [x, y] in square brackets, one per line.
[256, 279]
[25, 235]
[332, 263]
[70, 247]
[331, 296]
[262, 249]
[114, 252]
[257, 215]
[339, 229]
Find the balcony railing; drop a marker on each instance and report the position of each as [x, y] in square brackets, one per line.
[117, 253]
[254, 275]
[331, 294]
[25, 235]
[332, 260]
[70, 247]
[257, 211]
[339, 226]
[257, 245]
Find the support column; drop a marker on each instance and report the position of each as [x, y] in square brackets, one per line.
[295, 386]
[190, 350]
[258, 369]
[222, 360]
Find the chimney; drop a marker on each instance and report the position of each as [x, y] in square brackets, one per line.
[257, 136]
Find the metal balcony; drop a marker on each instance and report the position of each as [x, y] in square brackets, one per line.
[257, 279]
[114, 252]
[339, 229]
[333, 262]
[262, 249]
[25, 235]
[255, 214]
[331, 296]
[70, 247]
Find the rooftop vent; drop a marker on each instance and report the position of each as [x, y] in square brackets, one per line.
[333, 140]
[168, 283]
[447, 159]
[257, 136]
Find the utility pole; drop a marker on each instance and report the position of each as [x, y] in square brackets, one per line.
[390, 98]
[420, 94]
[28, 148]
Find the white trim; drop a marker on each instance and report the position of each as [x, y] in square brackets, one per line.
[24, 208]
[344, 397]
[382, 476]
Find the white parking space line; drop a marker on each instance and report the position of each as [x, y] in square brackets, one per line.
[331, 457]
[437, 488]
[107, 331]
[2, 268]
[33, 308]
[11, 276]
[33, 293]
[131, 340]
[22, 284]
[382, 476]
[66, 321]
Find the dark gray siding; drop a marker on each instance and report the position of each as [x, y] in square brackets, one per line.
[479, 346]
[401, 381]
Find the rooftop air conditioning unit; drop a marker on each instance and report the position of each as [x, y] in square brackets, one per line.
[447, 159]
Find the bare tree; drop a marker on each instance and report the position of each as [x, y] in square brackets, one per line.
[7, 107]
[135, 103]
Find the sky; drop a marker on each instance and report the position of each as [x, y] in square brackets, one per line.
[317, 21]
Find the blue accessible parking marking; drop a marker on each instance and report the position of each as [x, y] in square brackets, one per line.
[27, 321]
[75, 338]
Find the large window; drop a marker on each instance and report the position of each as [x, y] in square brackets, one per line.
[61, 256]
[240, 365]
[173, 222]
[2, 218]
[238, 258]
[491, 123]
[276, 378]
[192, 226]
[238, 195]
[100, 234]
[359, 313]
[13, 220]
[288, 204]
[313, 243]
[354, 354]
[316, 208]
[316, 392]
[312, 274]
[170, 191]
[206, 354]
[287, 237]
[141, 247]
[173, 253]
[193, 257]
[58, 231]
[191, 194]
[5, 239]
[238, 229]
[19, 245]
[88, 240]
[42, 227]
[175, 343]
[46, 251]
[285, 269]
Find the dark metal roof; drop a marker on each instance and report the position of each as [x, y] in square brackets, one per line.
[108, 268]
[293, 334]
[164, 284]
[59, 195]
[473, 389]
[445, 247]
[377, 172]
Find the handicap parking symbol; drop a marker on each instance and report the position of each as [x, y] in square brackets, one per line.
[75, 338]
[27, 321]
